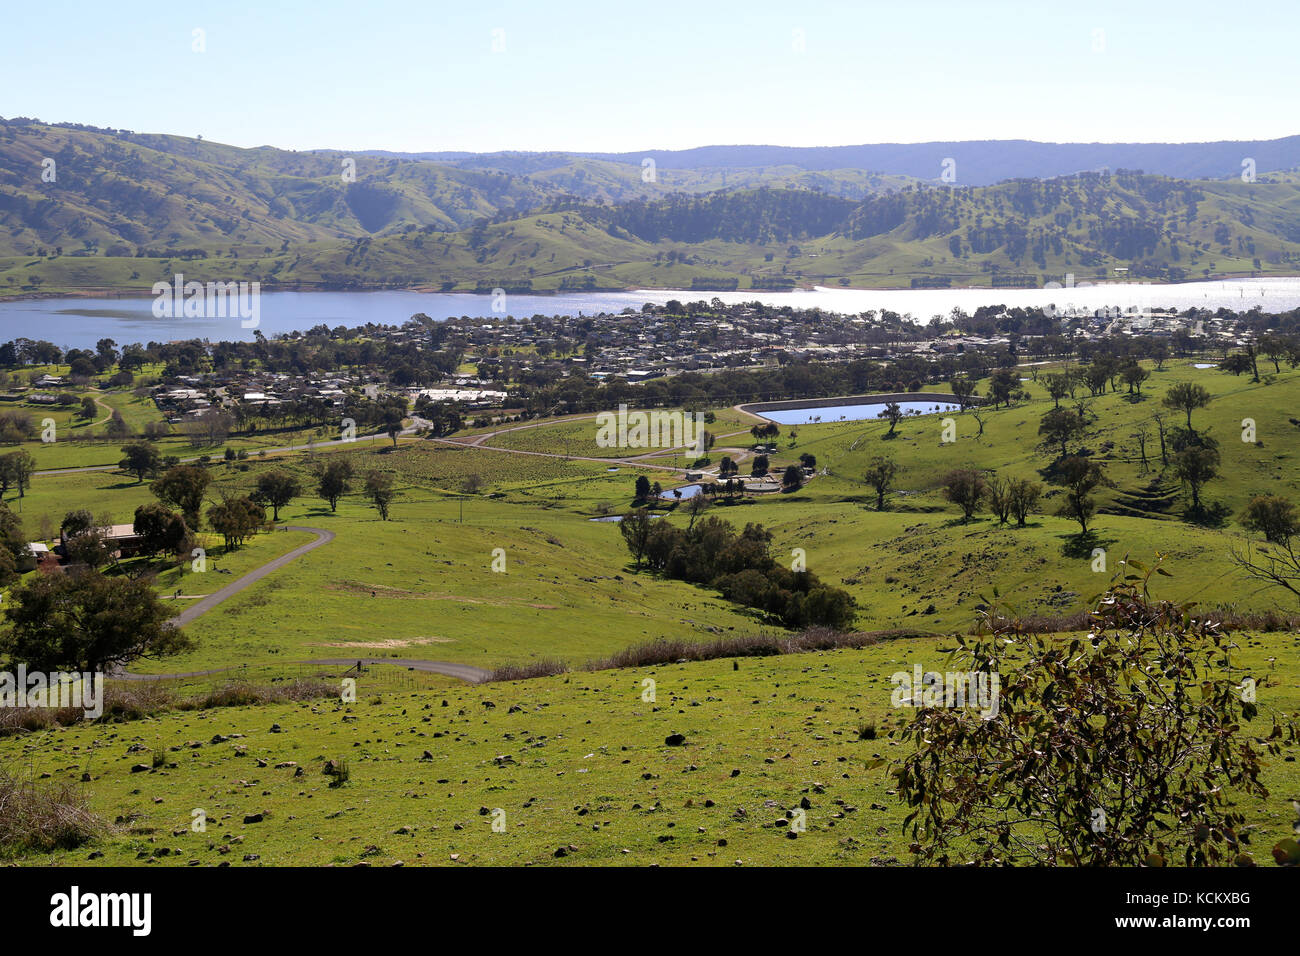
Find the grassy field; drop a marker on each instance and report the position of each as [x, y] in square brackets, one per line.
[568, 591]
[579, 760]
[578, 764]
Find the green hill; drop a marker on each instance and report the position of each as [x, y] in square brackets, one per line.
[126, 210]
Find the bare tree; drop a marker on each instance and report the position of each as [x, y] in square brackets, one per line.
[1273, 565]
[1143, 435]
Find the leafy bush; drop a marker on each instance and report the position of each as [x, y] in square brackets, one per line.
[1130, 746]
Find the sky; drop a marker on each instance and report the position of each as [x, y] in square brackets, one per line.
[630, 75]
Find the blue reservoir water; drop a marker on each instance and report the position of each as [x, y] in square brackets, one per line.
[853, 413]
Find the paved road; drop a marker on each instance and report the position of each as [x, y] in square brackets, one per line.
[462, 671]
[234, 587]
[465, 672]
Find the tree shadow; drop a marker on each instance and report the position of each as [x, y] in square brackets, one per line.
[1081, 546]
[1214, 514]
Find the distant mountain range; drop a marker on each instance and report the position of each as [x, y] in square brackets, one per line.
[978, 163]
[85, 208]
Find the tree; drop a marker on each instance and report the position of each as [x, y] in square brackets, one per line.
[642, 487]
[1131, 746]
[380, 491]
[1276, 565]
[727, 468]
[183, 487]
[1134, 375]
[1186, 397]
[333, 481]
[1142, 433]
[141, 459]
[1058, 386]
[236, 520]
[87, 622]
[635, 528]
[792, 478]
[1272, 516]
[967, 489]
[759, 468]
[1004, 387]
[209, 429]
[1079, 477]
[1023, 495]
[1238, 363]
[1059, 427]
[88, 408]
[17, 468]
[1195, 465]
[1276, 348]
[13, 544]
[277, 489]
[962, 390]
[893, 413]
[84, 540]
[1162, 429]
[999, 497]
[880, 475]
[696, 505]
[161, 530]
[75, 523]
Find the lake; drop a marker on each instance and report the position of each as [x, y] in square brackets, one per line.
[80, 322]
[688, 491]
[851, 413]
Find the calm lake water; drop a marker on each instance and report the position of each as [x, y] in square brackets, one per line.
[688, 491]
[80, 323]
[851, 413]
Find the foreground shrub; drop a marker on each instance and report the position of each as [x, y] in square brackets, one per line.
[542, 668]
[135, 700]
[1130, 746]
[664, 651]
[42, 816]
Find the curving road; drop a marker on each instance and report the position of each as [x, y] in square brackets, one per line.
[202, 607]
[323, 536]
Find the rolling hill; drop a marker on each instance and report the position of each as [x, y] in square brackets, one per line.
[124, 210]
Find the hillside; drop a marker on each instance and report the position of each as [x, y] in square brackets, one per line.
[580, 761]
[127, 210]
[117, 193]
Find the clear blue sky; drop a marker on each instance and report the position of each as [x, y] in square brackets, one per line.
[626, 75]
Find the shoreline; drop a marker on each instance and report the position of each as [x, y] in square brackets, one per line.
[702, 294]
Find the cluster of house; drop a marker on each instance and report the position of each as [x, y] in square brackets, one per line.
[121, 540]
[39, 397]
[192, 396]
[639, 346]
[462, 391]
